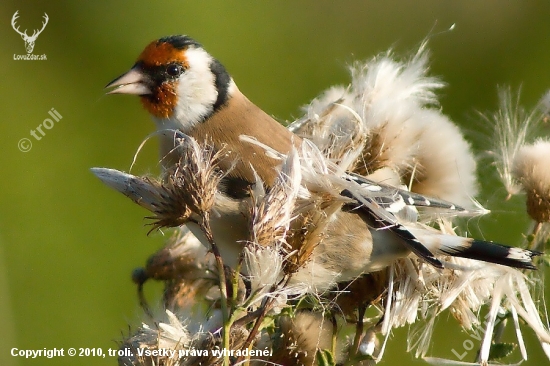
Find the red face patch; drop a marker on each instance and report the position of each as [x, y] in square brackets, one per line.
[162, 103]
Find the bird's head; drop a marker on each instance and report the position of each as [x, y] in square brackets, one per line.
[177, 81]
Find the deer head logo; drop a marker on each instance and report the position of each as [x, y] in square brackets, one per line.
[29, 40]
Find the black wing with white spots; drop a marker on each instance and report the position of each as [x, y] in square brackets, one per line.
[379, 209]
[394, 199]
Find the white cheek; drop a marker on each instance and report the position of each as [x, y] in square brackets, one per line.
[197, 92]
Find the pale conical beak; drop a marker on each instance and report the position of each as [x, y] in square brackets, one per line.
[133, 82]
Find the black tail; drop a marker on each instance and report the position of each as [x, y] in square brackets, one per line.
[494, 253]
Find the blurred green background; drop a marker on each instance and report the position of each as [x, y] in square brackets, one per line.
[68, 243]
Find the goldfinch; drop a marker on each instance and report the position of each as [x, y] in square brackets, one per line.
[188, 91]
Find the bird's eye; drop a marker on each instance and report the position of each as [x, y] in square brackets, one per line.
[174, 69]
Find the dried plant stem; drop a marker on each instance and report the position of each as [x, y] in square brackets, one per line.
[235, 280]
[260, 318]
[205, 227]
[334, 333]
[358, 328]
[241, 322]
[266, 305]
[535, 242]
[143, 301]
